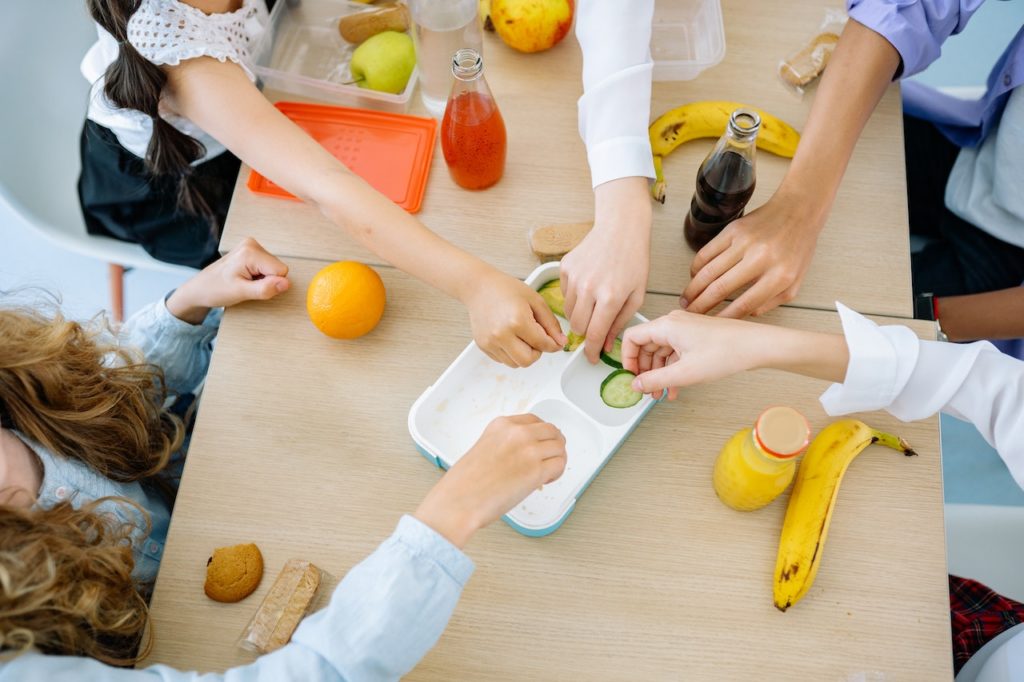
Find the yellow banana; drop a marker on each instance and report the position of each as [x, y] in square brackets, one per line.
[814, 497]
[708, 119]
[485, 15]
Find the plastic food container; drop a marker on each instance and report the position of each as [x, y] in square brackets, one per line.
[392, 152]
[687, 37]
[561, 388]
[302, 53]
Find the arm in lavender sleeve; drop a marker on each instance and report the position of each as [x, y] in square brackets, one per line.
[916, 28]
[614, 111]
[891, 369]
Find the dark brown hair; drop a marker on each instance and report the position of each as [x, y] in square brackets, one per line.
[133, 82]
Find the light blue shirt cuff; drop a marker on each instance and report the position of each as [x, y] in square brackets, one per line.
[421, 538]
[390, 609]
[180, 349]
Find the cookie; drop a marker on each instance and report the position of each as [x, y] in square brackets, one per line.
[233, 573]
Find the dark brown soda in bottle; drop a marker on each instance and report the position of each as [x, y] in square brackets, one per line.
[725, 181]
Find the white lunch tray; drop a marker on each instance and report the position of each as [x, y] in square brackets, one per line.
[561, 388]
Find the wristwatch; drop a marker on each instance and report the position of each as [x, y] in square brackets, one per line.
[926, 307]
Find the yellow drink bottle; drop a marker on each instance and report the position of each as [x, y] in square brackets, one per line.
[759, 463]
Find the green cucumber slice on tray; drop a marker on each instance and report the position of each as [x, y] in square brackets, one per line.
[613, 358]
[552, 295]
[617, 390]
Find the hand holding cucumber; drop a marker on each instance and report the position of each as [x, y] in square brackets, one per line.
[511, 322]
[680, 349]
[604, 278]
[513, 457]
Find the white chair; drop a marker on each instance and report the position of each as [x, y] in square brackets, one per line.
[44, 99]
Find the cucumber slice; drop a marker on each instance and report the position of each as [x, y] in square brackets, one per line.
[617, 389]
[573, 341]
[613, 358]
[552, 295]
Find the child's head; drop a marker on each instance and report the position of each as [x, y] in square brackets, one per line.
[79, 398]
[133, 82]
[66, 585]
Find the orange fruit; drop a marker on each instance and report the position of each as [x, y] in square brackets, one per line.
[345, 300]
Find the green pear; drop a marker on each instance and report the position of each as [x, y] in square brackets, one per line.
[384, 62]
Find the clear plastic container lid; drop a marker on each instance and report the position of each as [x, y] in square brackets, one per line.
[687, 37]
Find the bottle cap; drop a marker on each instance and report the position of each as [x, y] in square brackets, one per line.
[782, 432]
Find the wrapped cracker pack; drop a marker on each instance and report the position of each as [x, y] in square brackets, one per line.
[284, 607]
[803, 67]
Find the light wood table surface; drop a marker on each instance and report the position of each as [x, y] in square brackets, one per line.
[301, 446]
[862, 256]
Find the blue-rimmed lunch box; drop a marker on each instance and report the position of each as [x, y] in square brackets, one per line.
[561, 388]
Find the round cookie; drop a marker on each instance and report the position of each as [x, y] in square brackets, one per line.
[233, 573]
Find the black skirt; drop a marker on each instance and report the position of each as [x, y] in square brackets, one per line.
[121, 199]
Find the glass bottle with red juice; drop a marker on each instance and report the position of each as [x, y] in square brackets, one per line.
[472, 130]
[725, 181]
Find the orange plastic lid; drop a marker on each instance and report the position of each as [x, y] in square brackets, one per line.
[392, 152]
[782, 432]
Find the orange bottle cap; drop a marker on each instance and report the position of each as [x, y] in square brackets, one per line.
[782, 432]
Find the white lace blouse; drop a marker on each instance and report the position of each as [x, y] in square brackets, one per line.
[168, 32]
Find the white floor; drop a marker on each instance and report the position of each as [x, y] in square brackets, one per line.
[28, 261]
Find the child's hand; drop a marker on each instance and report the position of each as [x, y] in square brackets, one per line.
[683, 348]
[605, 277]
[246, 273]
[514, 456]
[511, 322]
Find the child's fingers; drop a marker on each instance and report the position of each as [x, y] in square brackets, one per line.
[644, 338]
[261, 262]
[523, 354]
[553, 467]
[548, 323]
[266, 288]
[657, 380]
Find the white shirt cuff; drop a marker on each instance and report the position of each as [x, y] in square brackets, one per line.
[881, 361]
[623, 157]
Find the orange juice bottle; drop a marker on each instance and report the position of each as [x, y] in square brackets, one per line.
[472, 130]
[758, 464]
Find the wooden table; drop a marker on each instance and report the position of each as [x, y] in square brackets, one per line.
[862, 256]
[301, 446]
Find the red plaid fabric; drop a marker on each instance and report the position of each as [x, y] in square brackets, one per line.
[978, 614]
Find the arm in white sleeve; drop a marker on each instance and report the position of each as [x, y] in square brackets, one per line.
[891, 369]
[615, 109]
[382, 619]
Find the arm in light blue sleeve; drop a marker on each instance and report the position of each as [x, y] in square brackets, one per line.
[383, 618]
[180, 349]
[916, 28]
[614, 111]
[390, 610]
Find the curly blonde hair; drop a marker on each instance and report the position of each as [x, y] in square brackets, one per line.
[66, 584]
[65, 389]
[65, 574]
